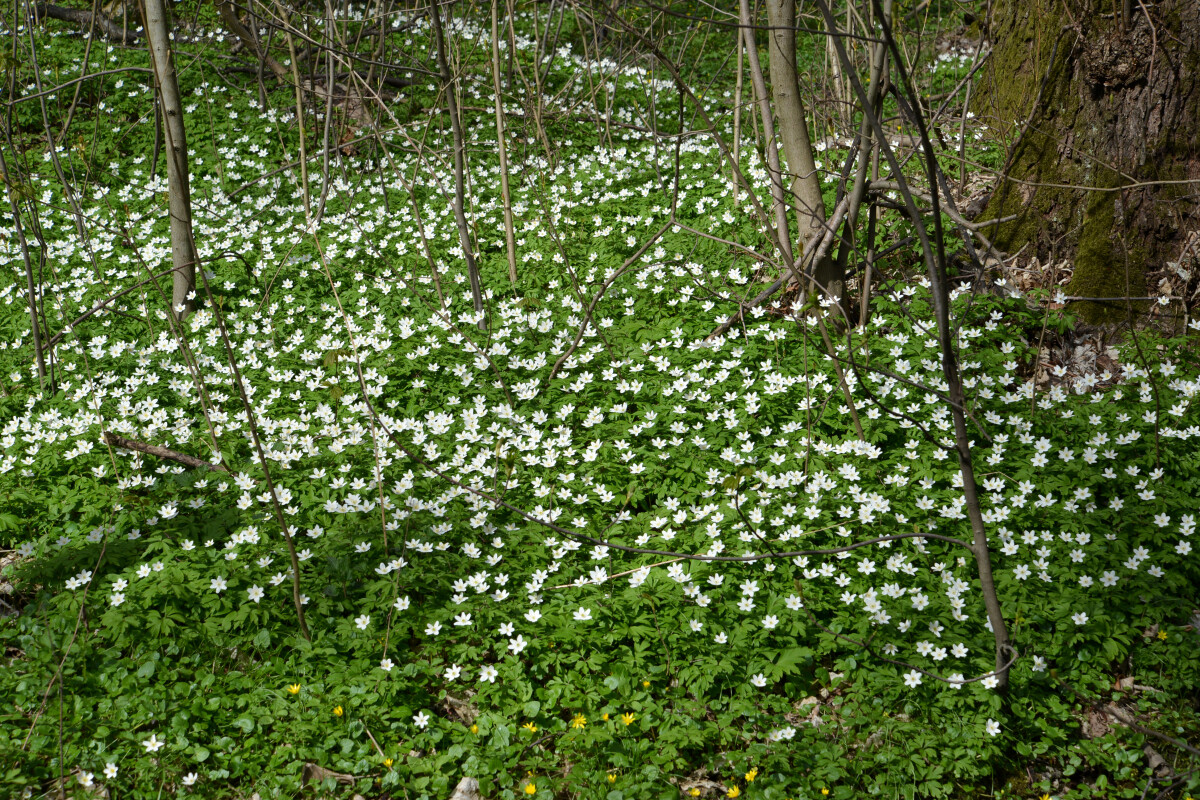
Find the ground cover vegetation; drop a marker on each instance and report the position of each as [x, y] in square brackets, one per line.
[572, 544]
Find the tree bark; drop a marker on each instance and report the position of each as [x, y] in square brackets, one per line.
[229, 16]
[797, 146]
[449, 84]
[183, 247]
[506, 198]
[771, 149]
[1105, 168]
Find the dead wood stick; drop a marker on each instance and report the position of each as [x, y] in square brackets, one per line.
[162, 452]
[109, 29]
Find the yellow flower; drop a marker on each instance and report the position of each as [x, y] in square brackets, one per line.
[733, 792]
[579, 721]
[694, 791]
[530, 788]
[606, 717]
[645, 684]
[1045, 796]
[627, 718]
[751, 775]
[387, 762]
[612, 778]
[1162, 635]
[337, 711]
[824, 792]
[294, 688]
[529, 726]
[474, 729]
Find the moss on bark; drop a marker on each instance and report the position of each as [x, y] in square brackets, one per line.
[1091, 105]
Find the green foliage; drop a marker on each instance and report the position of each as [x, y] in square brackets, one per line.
[153, 626]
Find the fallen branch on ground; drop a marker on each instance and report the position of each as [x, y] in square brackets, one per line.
[87, 20]
[162, 452]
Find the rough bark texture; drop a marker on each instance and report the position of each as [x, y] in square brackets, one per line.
[1097, 100]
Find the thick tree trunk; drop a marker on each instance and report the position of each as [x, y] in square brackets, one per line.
[1106, 96]
[183, 248]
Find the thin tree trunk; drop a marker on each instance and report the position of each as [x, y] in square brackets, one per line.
[935, 259]
[30, 283]
[864, 313]
[183, 248]
[737, 117]
[509, 238]
[464, 234]
[797, 147]
[229, 16]
[774, 173]
[867, 155]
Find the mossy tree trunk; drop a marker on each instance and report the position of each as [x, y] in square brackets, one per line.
[1103, 94]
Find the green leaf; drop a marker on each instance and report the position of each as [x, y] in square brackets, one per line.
[789, 660]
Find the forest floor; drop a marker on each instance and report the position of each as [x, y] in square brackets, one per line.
[569, 546]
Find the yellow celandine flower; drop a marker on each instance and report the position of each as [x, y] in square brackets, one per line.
[387, 762]
[751, 775]
[579, 721]
[627, 718]
[294, 688]
[694, 791]
[733, 792]
[612, 778]
[474, 729]
[1045, 796]
[824, 791]
[529, 726]
[337, 711]
[1162, 635]
[606, 717]
[530, 788]
[645, 684]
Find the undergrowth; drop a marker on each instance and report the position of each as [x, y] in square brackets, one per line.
[582, 585]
